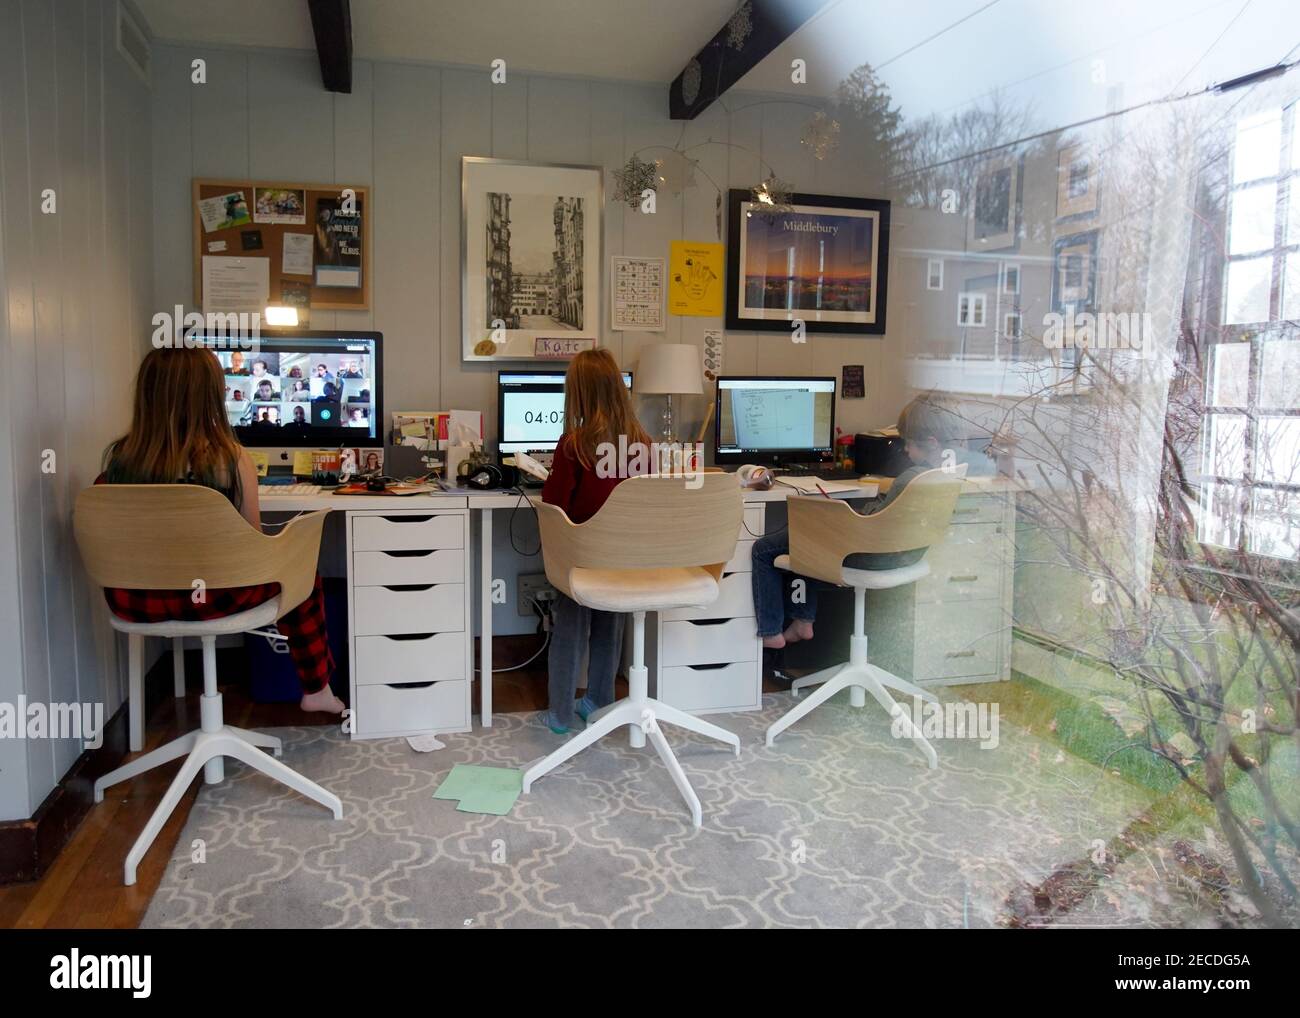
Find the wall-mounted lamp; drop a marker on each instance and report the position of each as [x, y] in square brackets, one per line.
[279, 314]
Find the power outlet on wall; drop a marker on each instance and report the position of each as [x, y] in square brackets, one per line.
[534, 587]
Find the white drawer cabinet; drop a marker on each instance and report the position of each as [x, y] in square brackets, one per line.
[428, 657]
[707, 660]
[409, 612]
[950, 627]
[401, 568]
[435, 608]
[397, 710]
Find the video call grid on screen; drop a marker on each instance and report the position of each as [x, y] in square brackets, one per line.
[775, 414]
[532, 409]
[316, 388]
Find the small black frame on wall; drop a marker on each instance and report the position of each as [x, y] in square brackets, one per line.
[824, 261]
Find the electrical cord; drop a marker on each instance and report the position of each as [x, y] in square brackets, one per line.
[510, 528]
[545, 617]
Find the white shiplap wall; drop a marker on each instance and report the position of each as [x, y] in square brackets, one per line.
[76, 287]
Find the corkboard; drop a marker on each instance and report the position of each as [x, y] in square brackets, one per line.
[323, 298]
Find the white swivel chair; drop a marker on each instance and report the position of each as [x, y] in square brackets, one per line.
[655, 544]
[822, 533]
[165, 537]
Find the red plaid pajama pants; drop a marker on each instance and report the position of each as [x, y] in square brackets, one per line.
[303, 628]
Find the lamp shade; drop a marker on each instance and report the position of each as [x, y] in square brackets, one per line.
[671, 369]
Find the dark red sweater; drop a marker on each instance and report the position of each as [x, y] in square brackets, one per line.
[580, 492]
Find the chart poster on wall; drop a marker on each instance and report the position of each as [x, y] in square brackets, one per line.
[822, 260]
[695, 279]
[531, 236]
[338, 244]
[636, 300]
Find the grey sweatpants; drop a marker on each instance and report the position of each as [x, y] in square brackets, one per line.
[582, 632]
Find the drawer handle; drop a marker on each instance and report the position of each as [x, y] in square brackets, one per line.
[409, 586]
[409, 519]
[708, 668]
[965, 578]
[708, 622]
[408, 685]
[410, 636]
[407, 554]
[960, 653]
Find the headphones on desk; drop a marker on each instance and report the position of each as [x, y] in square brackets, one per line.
[485, 477]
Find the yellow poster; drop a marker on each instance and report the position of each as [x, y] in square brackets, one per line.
[695, 279]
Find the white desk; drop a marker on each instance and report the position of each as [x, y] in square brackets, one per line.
[480, 504]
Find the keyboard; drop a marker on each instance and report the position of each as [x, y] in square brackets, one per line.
[265, 490]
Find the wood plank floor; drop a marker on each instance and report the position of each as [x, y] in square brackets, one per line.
[84, 889]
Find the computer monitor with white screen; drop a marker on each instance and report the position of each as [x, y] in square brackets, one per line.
[774, 420]
[304, 389]
[530, 410]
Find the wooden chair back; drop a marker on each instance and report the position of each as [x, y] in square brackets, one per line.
[166, 536]
[650, 522]
[824, 531]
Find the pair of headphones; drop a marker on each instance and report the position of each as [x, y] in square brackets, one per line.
[485, 477]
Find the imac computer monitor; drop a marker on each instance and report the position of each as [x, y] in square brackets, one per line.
[773, 420]
[305, 389]
[530, 410]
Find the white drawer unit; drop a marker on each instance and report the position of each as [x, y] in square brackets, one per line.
[708, 660]
[434, 608]
[735, 600]
[410, 532]
[409, 611]
[699, 688]
[406, 709]
[400, 568]
[423, 657]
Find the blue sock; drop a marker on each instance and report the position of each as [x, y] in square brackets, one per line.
[553, 724]
[586, 708]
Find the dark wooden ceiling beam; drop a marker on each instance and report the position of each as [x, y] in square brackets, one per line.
[719, 65]
[331, 21]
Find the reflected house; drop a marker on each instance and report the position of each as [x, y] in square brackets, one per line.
[533, 294]
[499, 285]
[568, 261]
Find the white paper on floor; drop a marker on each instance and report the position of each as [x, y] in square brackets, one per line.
[424, 743]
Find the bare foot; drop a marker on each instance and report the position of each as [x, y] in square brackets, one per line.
[322, 700]
[798, 630]
[774, 642]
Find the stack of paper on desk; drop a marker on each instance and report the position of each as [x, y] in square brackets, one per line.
[816, 485]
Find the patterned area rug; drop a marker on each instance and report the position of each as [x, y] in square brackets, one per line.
[837, 825]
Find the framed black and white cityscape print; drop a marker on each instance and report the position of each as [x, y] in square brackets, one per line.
[531, 239]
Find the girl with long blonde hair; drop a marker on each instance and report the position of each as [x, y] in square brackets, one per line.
[180, 434]
[598, 412]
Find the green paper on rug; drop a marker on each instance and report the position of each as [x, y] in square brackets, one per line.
[482, 789]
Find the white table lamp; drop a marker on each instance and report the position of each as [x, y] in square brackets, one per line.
[668, 369]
